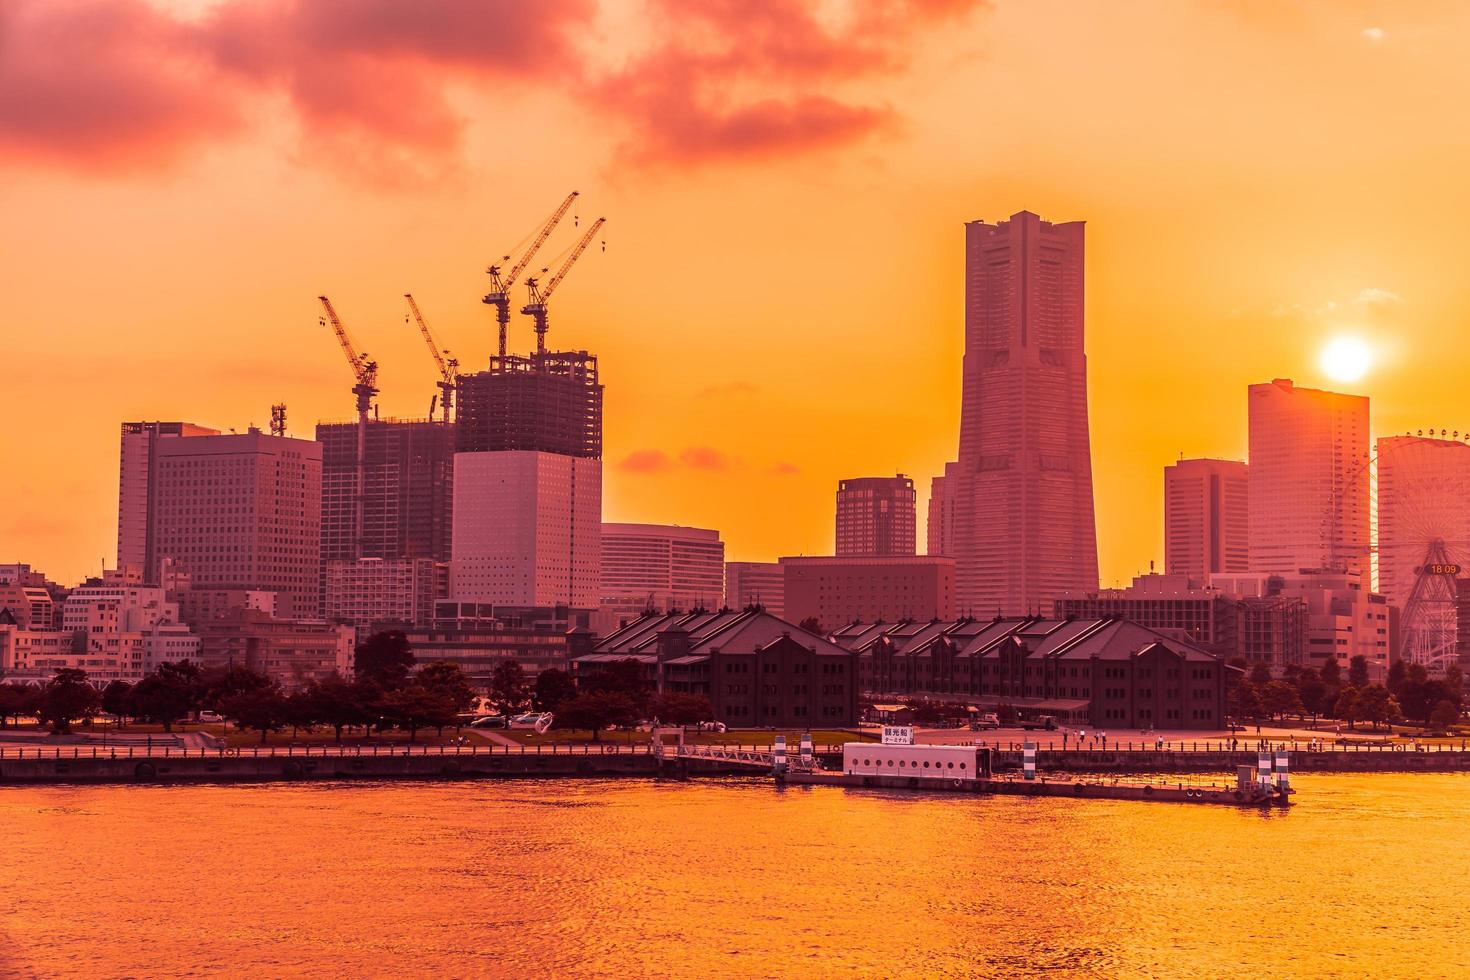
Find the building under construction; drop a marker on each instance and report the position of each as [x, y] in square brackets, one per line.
[544, 402]
[407, 493]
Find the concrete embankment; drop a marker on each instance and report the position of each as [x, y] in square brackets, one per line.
[1364, 759]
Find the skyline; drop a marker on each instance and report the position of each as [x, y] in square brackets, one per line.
[1275, 260]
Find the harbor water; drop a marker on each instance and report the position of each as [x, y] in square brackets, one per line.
[1366, 875]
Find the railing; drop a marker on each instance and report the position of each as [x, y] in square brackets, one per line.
[61, 753]
[1338, 744]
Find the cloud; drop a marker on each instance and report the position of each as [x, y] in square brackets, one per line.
[1374, 34]
[107, 85]
[646, 461]
[729, 79]
[785, 469]
[1377, 297]
[705, 458]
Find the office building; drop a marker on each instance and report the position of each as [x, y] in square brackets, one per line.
[238, 511]
[137, 486]
[756, 583]
[1206, 517]
[549, 403]
[385, 593]
[661, 567]
[834, 591]
[875, 517]
[1016, 506]
[1308, 480]
[290, 652]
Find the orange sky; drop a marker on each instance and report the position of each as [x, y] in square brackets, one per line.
[779, 304]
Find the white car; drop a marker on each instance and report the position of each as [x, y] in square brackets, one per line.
[210, 717]
[539, 721]
[713, 726]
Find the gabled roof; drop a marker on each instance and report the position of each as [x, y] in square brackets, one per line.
[733, 632]
[1110, 638]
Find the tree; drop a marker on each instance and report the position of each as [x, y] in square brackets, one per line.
[1454, 682]
[683, 710]
[1260, 673]
[1244, 700]
[554, 687]
[597, 710]
[263, 709]
[812, 625]
[300, 711]
[1347, 706]
[220, 684]
[1358, 671]
[1280, 698]
[1310, 689]
[448, 681]
[1445, 714]
[16, 700]
[385, 658]
[416, 706]
[338, 702]
[167, 695]
[116, 698]
[1396, 674]
[509, 689]
[628, 677]
[1331, 673]
[1372, 704]
[66, 698]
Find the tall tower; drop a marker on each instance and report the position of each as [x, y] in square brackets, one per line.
[1309, 480]
[1206, 518]
[1020, 493]
[875, 517]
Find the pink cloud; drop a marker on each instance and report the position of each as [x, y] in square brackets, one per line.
[785, 469]
[646, 461]
[705, 458]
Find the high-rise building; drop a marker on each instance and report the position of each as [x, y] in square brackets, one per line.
[836, 591]
[1206, 517]
[528, 483]
[1020, 493]
[661, 567]
[237, 511]
[135, 502]
[379, 593]
[940, 518]
[756, 583]
[527, 529]
[1309, 480]
[1344, 618]
[408, 491]
[875, 517]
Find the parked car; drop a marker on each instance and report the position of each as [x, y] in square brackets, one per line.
[210, 717]
[712, 726]
[988, 720]
[537, 720]
[489, 721]
[1047, 722]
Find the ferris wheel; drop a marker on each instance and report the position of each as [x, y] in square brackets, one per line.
[1419, 490]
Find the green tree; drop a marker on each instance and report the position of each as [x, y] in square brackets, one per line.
[1358, 671]
[1311, 690]
[448, 681]
[1372, 704]
[1396, 674]
[221, 684]
[337, 702]
[1347, 706]
[1260, 673]
[116, 698]
[674, 708]
[628, 677]
[167, 694]
[554, 687]
[812, 625]
[1244, 701]
[509, 690]
[1454, 682]
[16, 700]
[385, 658]
[262, 709]
[415, 706]
[1331, 673]
[1280, 698]
[596, 711]
[300, 712]
[1445, 714]
[66, 698]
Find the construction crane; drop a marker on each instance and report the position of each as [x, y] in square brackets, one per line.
[500, 286]
[536, 308]
[278, 419]
[365, 373]
[448, 366]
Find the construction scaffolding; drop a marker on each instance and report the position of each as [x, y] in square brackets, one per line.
[546, 402]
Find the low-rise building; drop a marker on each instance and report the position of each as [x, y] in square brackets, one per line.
[479, 651]
[1098, 672]
[757, 670]
[199, 605]
[382, 593]
[292, 653]
[756, 583]
[835, 591]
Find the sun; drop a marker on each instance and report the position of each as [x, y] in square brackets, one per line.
[1346, 359]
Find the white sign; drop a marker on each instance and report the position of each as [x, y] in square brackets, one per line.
[898, 735]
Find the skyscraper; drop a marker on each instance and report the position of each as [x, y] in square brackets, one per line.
[138, 459]
[528, 483]
[233, 511]
[1206, 518]
[1020, 493]
[875, 517]
[1309, 480]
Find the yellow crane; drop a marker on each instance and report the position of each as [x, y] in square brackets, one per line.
[536, 308]
[500, 286]
[448, 365]
[365, 373]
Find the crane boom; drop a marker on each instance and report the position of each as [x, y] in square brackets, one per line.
[499, 295]
[536, 308]
[444, 369]
[567, 265]
[363, 369]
